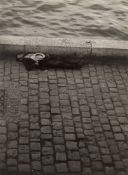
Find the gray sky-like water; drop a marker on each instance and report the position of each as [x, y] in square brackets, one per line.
[65, 18]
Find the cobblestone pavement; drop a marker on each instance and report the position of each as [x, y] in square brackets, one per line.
[64, 121]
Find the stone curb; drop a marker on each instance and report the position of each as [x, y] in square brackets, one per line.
[64, 46]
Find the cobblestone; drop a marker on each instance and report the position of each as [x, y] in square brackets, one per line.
[47, 150]
[64, 121]
[74, 166]
[61, 167]
[61, 157]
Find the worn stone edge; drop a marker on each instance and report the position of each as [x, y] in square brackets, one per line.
[78, 46]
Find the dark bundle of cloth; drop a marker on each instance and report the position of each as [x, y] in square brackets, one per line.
[33, 60]
[44, 61]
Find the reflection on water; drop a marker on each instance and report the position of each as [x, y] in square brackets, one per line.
[65, 18]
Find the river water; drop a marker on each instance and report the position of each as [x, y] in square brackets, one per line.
[65, 18]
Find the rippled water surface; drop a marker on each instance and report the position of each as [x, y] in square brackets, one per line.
[65, 18]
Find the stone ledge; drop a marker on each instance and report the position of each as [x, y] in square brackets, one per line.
[76, 49]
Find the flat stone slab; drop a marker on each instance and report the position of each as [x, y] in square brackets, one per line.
[12, 102]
